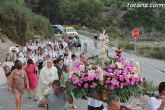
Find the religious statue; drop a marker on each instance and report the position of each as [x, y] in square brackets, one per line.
[104, 41]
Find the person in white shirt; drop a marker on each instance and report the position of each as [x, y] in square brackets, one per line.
[67, 60]
[67, 50]
[73, 61]
[25, 48]
[49, 51]
[64, 43]
[61, 50]
[40, 58]
[47, 75]
[158, 103]
[8, 62]
[28, 55]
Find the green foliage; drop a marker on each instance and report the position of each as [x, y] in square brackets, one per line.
[153, 52]
[149, 18]
[2, 37]
[83, 12]
[150, 87]
[20, 2]
[138, 17]
[126, 92]
[18, 22]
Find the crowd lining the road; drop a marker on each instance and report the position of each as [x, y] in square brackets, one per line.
[42, 68]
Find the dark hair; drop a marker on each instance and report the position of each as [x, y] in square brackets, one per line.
[65, 54]
[59, 59]
[65, 67]
[161, 87]
[56, 82]
[62, 46]
[81, 54]
[19, 65]
[30, 61]
[73, 56]
[7, 56]
[28, 49]
[55, 47]
[49, 45]
[16, 61]
[113, 98]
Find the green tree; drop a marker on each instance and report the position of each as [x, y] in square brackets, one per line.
[20, 2]
[140, 17]
[82, 12]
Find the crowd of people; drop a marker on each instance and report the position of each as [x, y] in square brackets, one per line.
[42, 69]
[38, 65]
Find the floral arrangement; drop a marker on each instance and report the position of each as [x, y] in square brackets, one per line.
[85, 79]
[119, 76]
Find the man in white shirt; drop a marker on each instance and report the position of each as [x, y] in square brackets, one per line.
[47, 75]
[158, 103]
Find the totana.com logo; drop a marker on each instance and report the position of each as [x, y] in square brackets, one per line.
[145, 5]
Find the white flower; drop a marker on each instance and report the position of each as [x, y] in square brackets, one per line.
[119, 65]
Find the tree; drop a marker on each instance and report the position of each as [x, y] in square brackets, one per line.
[20, 2]
[82, 12]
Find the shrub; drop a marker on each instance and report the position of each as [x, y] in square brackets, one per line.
[153, 52]
[150, 87]
[19, 23]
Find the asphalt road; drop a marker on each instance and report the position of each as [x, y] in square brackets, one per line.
[7, 102]
[151, 69]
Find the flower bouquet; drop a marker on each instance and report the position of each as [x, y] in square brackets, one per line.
[85, 80]
[122, 79]
[119, 77]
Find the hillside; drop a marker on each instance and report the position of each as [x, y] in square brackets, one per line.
[20, 24]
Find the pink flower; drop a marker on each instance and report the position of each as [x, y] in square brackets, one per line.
[86, 78]
[90, 78]
[109, 70]
[117, 72]
[77, 65]
[125, 72]
[132, 81]
[96, 75]
[121, 78]
[112, 87]
[79, 84]
[90, 61]
[86, 86]
[96, 66]
[115, 77]
[116, 83]
[112, 66]
[107, 81]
